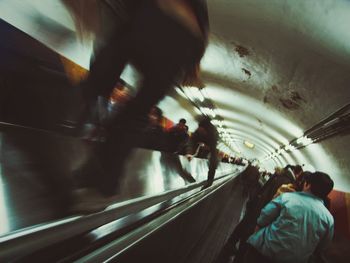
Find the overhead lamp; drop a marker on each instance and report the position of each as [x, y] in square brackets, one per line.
[208, 111]
[213, 113]
[197, 94]
[304, 141]
[221, 130]
[249, 144]
[282, 150]
[218, 123]
[290, 148]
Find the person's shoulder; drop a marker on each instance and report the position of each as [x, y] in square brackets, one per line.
[327, 215]
[291, 195]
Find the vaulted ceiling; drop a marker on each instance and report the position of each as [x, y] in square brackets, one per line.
[273, 69]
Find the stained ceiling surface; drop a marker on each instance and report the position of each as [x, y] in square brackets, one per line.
[273, 69]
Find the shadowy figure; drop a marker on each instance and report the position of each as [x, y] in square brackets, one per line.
[203, 143]
[178, 136]
[153, 134]
[249, 179]
[165, 41]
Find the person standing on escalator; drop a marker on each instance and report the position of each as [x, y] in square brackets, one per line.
[256, 202]
[294, 226]
[203, 144]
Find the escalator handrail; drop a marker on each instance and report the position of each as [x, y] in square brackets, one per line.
[34, 238]
[109, 251]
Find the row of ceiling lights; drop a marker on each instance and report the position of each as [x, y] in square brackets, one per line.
[337, 123]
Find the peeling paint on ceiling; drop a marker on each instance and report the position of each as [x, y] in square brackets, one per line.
[242, 51]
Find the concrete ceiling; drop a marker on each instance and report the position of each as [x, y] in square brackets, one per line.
[273, 69]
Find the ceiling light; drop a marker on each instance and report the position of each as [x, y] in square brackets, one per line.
[304, 141]
[249, 144]
[290, 147]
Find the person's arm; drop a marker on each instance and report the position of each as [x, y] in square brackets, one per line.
[270, 212]
[326, 239]
[318, 255]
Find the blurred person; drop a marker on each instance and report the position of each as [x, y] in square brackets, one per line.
[178, 136]
[164, 40]
[153, 135]
[104, 112]
[238, 161]
[155, 117]
[294, 225]
[205, 140]
[120, 96]
[98, 20]
[250, 181]
[225, 158]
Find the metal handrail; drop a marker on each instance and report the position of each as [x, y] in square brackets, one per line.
[23, 242]
[114, 248]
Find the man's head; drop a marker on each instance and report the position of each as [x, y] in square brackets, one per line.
[319, 184]
[182, 124]
[182, 121]
[300, 180]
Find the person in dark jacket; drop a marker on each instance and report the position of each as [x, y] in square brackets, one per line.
[202, 143]
[178, 136]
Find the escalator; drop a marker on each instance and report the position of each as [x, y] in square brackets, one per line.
[160, 217]
[182, 225]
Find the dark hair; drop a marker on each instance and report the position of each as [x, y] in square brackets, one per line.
[182, 120]
[205, 122]
[321, 183]
[295, 168]
[299, 182]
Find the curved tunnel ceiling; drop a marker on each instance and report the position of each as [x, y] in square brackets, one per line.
[275, 68]
[272, 69]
